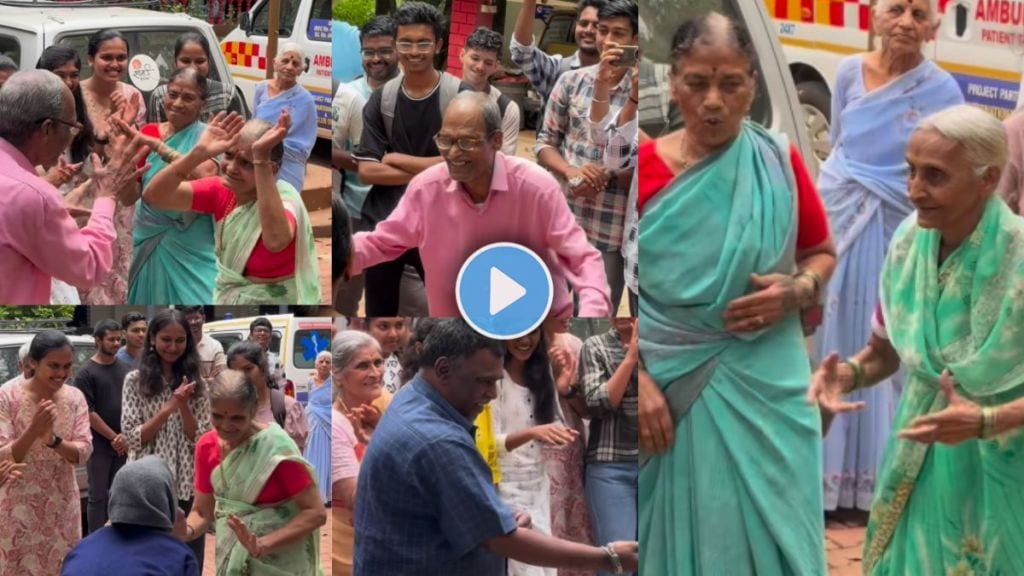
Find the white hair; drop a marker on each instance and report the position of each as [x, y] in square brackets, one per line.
[27, 98]
[323, 353]
[982, 136]
[883, 5]
[23, 351]
[291, 47]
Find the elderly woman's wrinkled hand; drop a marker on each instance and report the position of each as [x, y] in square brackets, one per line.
[221, 134]
[62, 172]
[247, 539]
[774, 296]
[654, 419]
[959, 421]
[262, 148]
[121, 169]
[10, 471]
[827, 389]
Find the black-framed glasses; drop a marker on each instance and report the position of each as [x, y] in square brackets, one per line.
[382, 52]
[465, 144]
[75, 127]
[421, 46]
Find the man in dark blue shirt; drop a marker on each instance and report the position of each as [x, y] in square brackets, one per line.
[425, 504]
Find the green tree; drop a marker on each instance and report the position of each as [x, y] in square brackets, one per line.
[355, 12]
[20, 318]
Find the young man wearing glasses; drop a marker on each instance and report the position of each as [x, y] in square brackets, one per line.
[487, 197]
[399, 122]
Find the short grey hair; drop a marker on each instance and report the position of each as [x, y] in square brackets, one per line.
[882, 5]
[23, 351]
[26, 98]
[487, 106]
[982, 136]
[291, 47]
[347, 344]
[233, 385]
[323, 353]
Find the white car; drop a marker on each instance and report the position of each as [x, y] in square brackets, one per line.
[25, 31]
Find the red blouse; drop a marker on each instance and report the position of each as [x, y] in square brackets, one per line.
[285, 482]
[211, 196]
[813, 222]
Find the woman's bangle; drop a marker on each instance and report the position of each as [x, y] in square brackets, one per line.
[858, 374]
[260, 162]
[614, 557]
[815, 284]
[634, 101]
[596, 99]
[988, 422]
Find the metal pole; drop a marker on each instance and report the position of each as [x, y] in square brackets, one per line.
[274, 25]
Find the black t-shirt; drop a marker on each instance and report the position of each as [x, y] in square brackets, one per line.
[102, 384]
[413, 129]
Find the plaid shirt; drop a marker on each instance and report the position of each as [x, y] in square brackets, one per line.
[567, 129]
[613, 432]
[620, 153]
[218, 99]
[540, 68]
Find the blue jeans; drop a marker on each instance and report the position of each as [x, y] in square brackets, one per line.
[611, 498]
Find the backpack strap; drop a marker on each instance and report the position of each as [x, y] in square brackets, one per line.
[277, 406]
[389, 102]
[449, 89]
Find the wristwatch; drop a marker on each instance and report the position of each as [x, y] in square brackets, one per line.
[614, 557]
[54, 441]
[575, 181]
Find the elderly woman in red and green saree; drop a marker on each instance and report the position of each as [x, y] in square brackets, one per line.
[735, 245]
[952, 302]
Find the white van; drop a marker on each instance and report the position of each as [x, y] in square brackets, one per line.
[304, 22]
[776, 105]
[979, 42]
[296, 341]
[26, 29]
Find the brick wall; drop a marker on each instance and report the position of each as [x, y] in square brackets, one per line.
[466, 17]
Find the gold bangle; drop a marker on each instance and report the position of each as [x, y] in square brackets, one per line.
[858, 374]
[596, 99]
[261, 162]
[988, 422]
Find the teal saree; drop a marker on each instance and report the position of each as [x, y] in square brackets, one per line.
[739, 492]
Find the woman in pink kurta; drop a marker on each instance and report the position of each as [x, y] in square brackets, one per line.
[44, 424]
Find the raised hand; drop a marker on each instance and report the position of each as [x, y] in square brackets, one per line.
[121, 128]
[827, 388]
[564, 365]
[247, 539]
[62, 172]
[958, 421]
[609, 64]
[554, 434]
[184, 393]
[261, 148]
[221, 134]
[43, 419]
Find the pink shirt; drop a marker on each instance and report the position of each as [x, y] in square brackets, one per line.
[344, 463]
[525, 206]
[40, 240]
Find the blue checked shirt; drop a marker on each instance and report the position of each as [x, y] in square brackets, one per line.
[426, 503]
[540, 68]
[567, 129]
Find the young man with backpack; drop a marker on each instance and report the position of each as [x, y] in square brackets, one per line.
[399, 123]
[480, 59]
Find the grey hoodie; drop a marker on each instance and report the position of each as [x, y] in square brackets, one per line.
[143, 494]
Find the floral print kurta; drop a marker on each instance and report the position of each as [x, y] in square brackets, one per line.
[40, 514]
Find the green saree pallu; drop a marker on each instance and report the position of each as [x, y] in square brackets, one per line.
[939, 509]
[237, 482]
[173, 260]
[237, 235]
[739, 492]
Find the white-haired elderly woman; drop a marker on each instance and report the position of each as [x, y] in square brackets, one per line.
[358, 374]
[252, 482]
[864, 187]
[264, 239]
[283, 92]
[318, 413]
[951, 313]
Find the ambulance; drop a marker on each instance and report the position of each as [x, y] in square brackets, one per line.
[979, 42]
[304, 22]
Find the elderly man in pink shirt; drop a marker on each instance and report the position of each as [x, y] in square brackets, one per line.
[479, 196]
[38, 238]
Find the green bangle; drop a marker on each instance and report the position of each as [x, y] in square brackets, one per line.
[858, 374]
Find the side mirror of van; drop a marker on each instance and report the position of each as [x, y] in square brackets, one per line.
[244, 23]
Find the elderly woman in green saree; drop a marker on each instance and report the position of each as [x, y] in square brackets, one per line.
[952, 313]
[252, 482]
[173, 260]
[735, 246]
[264, 239]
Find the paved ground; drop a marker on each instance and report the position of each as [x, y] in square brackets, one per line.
[317, 194]
[844, 539]
[210, 561]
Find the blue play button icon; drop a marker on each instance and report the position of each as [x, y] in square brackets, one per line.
[504, 290]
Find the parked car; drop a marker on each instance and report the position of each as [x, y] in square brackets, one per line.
[85, 347]
[26, 30]
[295, 340]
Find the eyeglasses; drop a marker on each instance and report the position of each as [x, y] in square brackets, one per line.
[382, 52]
[260, 331]
[465, 144]
[422, 46]
[74, 127]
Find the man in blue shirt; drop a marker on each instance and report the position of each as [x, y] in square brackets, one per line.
[426, 505]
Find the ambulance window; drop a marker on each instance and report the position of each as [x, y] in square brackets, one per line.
[659, 20]
[320, 21]
[9, 47]
[309, 343]
[261, 19]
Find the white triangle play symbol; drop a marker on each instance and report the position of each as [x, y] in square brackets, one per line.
[504, 291]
